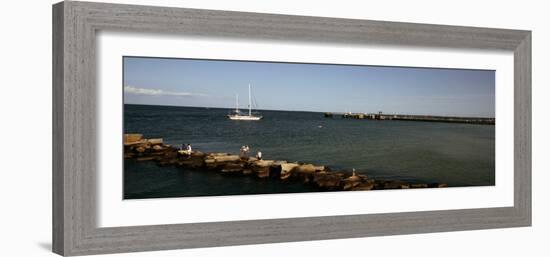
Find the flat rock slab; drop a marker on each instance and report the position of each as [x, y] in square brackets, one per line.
[132, 138]
[227, 158]
[263, 163]
[309, 168]
[155, 141]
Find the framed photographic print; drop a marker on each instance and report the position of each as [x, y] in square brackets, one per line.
[183, 128]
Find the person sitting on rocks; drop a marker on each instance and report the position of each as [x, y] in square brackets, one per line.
[185, 149]
[182, 149]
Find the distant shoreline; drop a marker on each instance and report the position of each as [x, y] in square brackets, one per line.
[320, 112]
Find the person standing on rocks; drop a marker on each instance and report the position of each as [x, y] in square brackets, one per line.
[241, 152]
[259, 155]
[246, 151]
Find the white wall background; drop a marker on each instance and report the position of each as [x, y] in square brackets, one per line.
[25, 106]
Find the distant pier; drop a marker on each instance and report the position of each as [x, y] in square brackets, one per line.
[429, 118]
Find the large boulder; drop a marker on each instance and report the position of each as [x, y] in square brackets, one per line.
[368, 185]
[279, 162]
[350, 184]
[233, 168]
[353, 181]
[169, 158]
[191, 162]
[287, 168]
[198, 154]
[306, 168]
[130, 139]
[211, 163]
[305, 172]
[275, 170]
[309, 168]
[155, 141]
[263, 163]
[218, 161]
[327, 180]
[261, 168]
[261, 171]
[171, 154]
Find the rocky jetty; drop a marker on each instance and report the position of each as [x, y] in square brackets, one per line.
[141, 149]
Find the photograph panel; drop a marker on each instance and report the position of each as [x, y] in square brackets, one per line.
[195, 127]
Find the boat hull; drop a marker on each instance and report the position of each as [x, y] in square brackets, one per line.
[244, 117]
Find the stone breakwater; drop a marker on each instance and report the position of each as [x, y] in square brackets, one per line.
[142, 149]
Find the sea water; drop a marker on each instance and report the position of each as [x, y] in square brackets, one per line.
[412, 151]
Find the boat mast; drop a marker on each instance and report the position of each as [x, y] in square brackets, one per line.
[237, 104]
[249, 102]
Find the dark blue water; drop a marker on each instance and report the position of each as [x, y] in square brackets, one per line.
[456, 154]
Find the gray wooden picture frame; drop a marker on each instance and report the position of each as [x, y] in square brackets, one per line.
[75, 25]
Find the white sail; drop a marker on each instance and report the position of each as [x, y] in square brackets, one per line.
[250, 116]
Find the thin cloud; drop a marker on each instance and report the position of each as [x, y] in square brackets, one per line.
[157, 92]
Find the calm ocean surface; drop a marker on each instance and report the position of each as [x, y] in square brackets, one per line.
[456, 154]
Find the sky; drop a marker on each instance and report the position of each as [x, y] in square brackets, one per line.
[309, 87]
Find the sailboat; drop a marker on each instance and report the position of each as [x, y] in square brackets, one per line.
[237, 115]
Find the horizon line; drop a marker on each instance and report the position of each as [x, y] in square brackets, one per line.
[333, 112]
